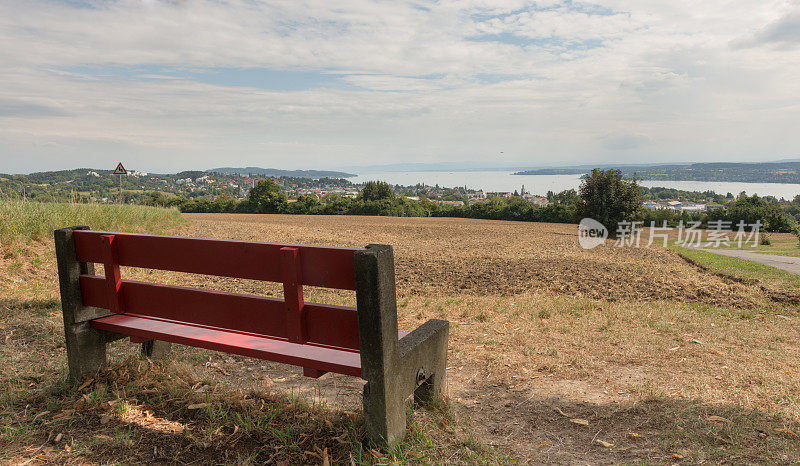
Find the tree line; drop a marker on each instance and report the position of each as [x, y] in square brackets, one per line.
[608, 196]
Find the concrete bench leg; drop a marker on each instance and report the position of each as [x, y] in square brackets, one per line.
[394, 370]
[86, 350]
[86, 347]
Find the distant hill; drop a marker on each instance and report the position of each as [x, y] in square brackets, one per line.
[275, 172]
[100, 185]
[758, 172]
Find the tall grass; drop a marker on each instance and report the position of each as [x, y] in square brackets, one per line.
[26, 221]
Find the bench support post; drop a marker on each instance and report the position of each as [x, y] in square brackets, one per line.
[394, 370]
[155, 349]
[86, 347]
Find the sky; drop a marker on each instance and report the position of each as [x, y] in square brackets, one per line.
[165, 86]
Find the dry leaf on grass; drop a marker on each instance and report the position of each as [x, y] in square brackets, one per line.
[85, 384]
[559, 411]
[604, 443]
[633, 435]
[63, 415]
[787, 431]
[197, 406]
[717, 419]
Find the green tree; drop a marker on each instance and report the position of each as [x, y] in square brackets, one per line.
[609, 197]
[266, 197]
[308, 204]
[376, 190]
[567, 198]
[754, 208]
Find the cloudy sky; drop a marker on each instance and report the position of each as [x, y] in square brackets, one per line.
[172, 85]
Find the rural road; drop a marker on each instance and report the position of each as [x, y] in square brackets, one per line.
[787, 263]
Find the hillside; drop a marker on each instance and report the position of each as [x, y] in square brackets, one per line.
[762, 172]
[87, 184]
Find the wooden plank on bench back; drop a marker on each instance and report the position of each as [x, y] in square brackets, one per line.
[328, 267]
[326, 324]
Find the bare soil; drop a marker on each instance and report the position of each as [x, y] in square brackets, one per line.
[465, 256]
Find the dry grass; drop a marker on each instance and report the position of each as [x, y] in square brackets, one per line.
[698, 367]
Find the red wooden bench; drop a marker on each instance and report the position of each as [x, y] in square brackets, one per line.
[361, 341]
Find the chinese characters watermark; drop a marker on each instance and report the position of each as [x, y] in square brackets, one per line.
[720, 233]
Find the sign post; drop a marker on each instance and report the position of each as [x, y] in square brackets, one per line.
[120, 170]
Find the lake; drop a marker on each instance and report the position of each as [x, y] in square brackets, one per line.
[495, 181]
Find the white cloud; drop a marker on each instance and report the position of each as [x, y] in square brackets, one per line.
[411, 81]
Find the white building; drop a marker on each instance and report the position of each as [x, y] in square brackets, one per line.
[675, 205]
[692, 207]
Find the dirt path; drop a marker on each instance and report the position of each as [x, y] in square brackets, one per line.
[787, 263]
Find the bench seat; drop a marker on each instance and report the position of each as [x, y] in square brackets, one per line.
[309, 356]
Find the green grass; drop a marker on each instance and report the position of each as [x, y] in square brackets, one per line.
[780, 244]
[741, 269]
[25, 221]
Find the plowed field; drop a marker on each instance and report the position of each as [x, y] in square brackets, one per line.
[475, 257]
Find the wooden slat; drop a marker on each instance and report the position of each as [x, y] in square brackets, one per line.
[293, 294]
[326, 324]
[108, 249]
[308, 356]
[327, 267]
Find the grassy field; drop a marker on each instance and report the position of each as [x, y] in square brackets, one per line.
[742, 269]
[557, 355]
[26, 221]
[785, 244]
[778, 243]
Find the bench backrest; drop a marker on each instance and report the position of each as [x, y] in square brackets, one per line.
[293, 265]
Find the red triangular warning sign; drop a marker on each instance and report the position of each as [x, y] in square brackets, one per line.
[120, 170]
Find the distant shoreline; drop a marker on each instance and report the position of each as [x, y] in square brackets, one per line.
[771, 172]
[646, 178]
